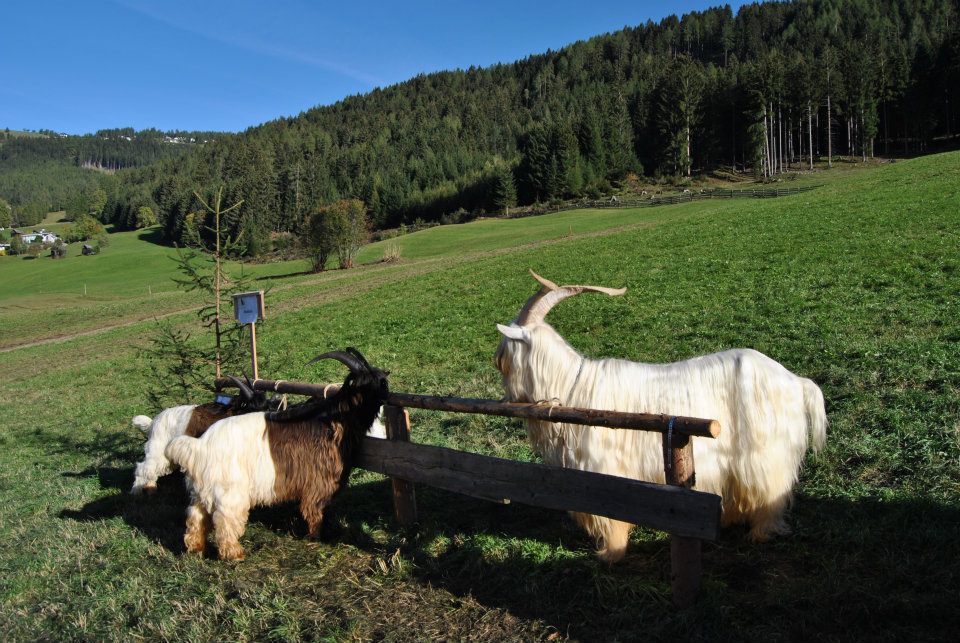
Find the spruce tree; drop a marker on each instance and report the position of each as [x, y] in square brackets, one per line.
[503, 194]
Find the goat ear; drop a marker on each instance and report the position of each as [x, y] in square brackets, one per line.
[518, 333]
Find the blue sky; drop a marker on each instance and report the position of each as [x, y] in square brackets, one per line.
[77, 66]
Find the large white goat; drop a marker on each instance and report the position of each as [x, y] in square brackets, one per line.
[767, 417]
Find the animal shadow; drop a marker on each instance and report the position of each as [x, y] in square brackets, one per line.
[539, 565]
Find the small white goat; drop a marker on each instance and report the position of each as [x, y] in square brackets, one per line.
[190, 420]
[767, 416]
[304, 454]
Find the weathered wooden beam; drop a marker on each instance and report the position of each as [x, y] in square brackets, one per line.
[592, 417]
[682, 512]
[682, 426]
[404, 495]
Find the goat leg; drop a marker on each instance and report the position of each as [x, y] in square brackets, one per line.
[198, 526]
[313, 514]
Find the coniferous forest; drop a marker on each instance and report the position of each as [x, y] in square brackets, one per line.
[774, 87]
[46, 171]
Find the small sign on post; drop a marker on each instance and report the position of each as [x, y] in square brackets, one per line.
[248, 309]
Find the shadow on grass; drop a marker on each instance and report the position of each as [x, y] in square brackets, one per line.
[160, 517]
[853, 569]
[153, 235]
[286, 275]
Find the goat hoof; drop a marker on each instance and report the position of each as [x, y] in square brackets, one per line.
[195, 548]
[231, 552]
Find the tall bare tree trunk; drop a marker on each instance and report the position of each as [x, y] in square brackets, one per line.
[851, 136]
[810, 133]
[773, 143]
[218, 280]
[863, 137]
[829, 130]
[796, 141]
[780, 137]
[766, 144]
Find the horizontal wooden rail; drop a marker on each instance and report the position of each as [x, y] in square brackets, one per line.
[682, 426]
[681, 512]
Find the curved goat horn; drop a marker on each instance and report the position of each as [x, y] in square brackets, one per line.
[551, 294]
[245, 390]
[363, 360]
[346, 359]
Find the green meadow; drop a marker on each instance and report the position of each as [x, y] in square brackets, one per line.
[855, 285]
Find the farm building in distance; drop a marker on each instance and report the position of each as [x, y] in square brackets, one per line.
[41, 236]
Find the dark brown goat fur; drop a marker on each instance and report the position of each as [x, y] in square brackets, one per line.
[310, 448]
[311, 463]
[206, 414]
[313, 456]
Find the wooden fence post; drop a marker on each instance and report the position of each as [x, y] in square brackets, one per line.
[404, 495]
[686, 565]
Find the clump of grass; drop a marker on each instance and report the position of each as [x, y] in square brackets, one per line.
[391, 252]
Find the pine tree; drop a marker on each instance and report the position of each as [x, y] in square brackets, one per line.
[503, 193]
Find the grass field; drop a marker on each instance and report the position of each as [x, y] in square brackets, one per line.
[854, 285]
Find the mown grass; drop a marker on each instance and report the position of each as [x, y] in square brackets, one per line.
[42, 299]
[855, 285]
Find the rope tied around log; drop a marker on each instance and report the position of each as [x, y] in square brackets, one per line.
[668, 445]
[551, 404]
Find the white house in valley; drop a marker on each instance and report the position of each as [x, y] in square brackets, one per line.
[41, 236]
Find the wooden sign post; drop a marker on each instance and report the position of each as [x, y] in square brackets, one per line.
[248, 309]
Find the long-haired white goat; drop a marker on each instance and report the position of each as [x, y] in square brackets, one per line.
[188, 419]
[767, 417]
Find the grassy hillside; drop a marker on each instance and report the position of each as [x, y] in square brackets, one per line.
[854, 285]
[41, 298]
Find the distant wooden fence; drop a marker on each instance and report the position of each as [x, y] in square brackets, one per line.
[684, 197]
[689, 516]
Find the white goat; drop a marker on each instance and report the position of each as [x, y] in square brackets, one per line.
[168, 424]
[767, 416]
[189, 419]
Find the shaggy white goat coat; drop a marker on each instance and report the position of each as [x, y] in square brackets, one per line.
[767, 417]
[229, 470]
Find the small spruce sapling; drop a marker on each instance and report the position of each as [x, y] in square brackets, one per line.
[186, 365]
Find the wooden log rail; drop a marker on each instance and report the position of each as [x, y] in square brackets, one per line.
[689, 516]
[682, 426]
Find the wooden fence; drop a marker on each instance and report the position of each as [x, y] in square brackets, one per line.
[689, 516]
[684, 197]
